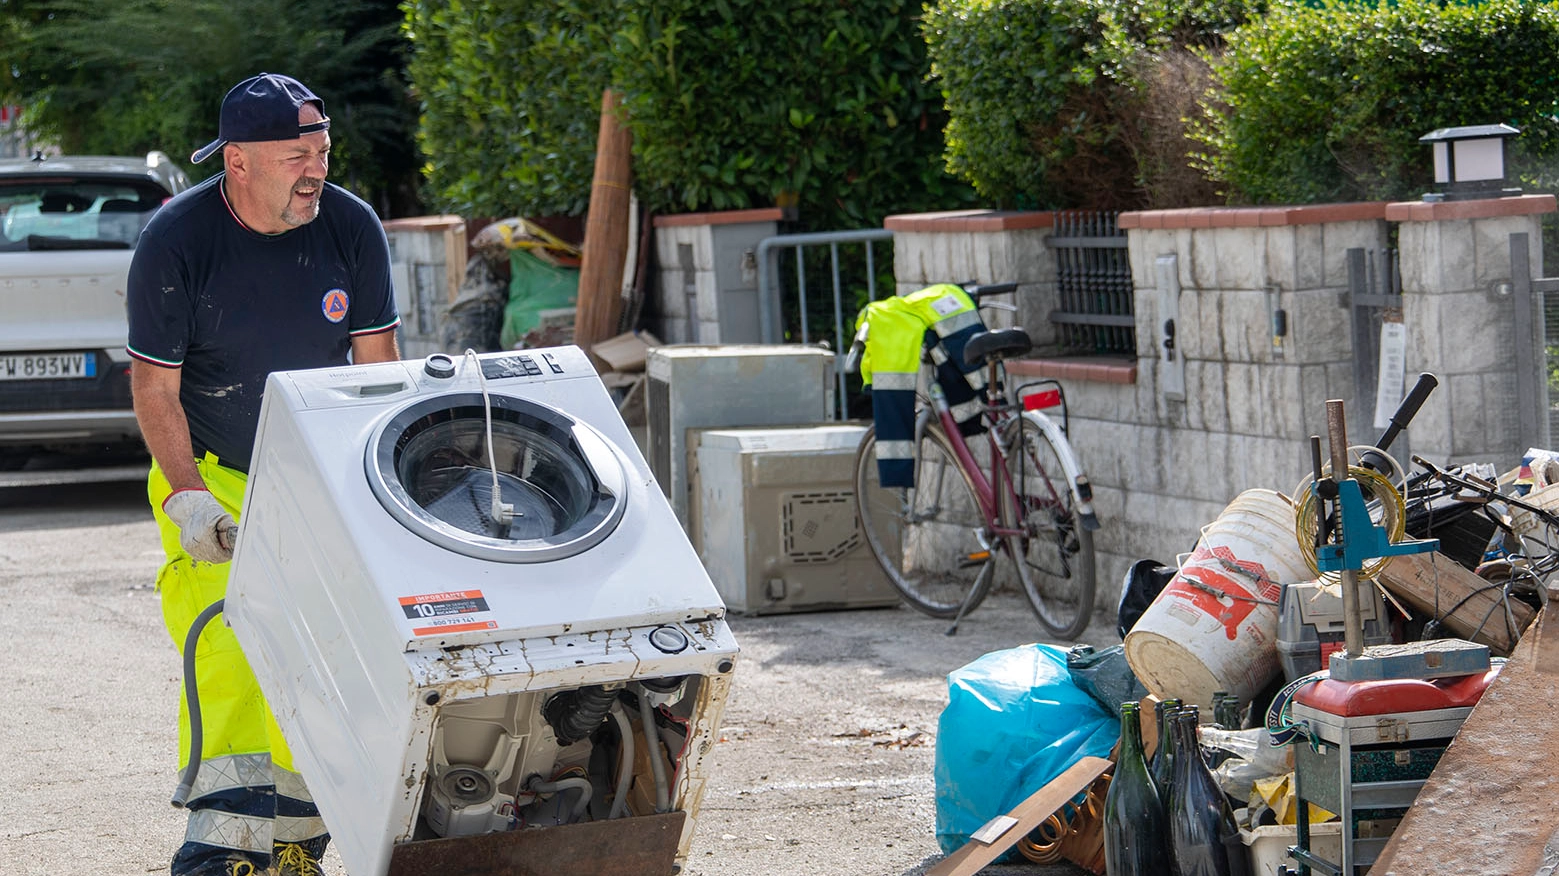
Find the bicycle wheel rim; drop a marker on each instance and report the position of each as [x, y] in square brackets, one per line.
[924, 537]
[1054, 557]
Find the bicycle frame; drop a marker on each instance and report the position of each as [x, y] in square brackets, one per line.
[990, 489]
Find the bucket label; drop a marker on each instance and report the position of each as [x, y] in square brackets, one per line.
[1220, 585]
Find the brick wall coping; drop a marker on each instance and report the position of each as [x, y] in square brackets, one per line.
[1100, 369]
[1254, 217]
[1484, 208]
[423, 223]
[720, 217]
[970, 221]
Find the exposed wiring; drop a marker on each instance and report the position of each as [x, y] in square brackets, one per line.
[679, 761]
[502, 512]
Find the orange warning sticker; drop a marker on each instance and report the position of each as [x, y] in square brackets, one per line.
[447, 612]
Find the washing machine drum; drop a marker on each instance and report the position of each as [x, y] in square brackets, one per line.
[428, 464]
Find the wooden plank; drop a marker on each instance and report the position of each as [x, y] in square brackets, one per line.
[1489, 805]
[641, 846]
[1026, 816]
[606, 229]
[1434, 582]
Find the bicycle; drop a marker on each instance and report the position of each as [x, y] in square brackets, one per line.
[938, 540]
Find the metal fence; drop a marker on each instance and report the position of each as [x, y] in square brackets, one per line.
[1093, 279]
[770, 290]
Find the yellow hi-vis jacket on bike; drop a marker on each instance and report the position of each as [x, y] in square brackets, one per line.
[944, 317]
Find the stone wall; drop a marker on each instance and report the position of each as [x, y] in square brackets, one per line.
[1168, 442]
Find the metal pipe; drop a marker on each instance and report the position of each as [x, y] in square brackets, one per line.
[1337, 433]
[833, 252]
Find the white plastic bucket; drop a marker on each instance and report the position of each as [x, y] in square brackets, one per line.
[1215, 625]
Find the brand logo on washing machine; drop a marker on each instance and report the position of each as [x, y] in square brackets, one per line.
[335, 304]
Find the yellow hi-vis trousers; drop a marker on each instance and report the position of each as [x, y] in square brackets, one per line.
[241, 743]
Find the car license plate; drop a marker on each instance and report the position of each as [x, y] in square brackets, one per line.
[47, 366]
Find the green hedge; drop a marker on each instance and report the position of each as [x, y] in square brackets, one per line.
[511, 102]
[732, 104]
[1057, 103]
[1326, 102]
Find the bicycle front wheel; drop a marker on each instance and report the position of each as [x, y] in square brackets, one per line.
[926, 537]
[1054, 555]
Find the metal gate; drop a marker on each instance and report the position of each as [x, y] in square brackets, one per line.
[1093, 282]
[1533, 345]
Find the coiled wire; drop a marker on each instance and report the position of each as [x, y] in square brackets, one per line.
[1379, 493]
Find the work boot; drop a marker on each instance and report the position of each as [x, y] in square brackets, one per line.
[239, 867]
[300, 858]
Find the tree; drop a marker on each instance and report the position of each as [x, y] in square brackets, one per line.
[139, 75]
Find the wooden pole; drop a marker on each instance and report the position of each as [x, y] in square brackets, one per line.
[606, 230]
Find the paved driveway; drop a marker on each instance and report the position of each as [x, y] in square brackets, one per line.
[824, 765]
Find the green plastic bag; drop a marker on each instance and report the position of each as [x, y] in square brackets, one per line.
[534, 286]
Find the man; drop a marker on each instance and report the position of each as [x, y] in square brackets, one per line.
[264, 267]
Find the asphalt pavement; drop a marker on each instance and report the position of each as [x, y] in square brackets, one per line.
[824, 764]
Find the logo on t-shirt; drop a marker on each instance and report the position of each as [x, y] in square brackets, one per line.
[335, 304]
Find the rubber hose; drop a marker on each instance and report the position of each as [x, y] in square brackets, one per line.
[625, 770]
[575, 715]
[582, 785]
[192, 697]
[657, 766]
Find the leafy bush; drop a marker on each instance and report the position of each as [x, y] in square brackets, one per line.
[511, 102]
[732, 104]
[737, 103]
[1326, 102]
[1062, 103]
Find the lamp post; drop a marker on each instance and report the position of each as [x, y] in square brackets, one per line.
[1469, 162]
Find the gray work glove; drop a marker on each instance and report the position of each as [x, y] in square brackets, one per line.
[206, 530]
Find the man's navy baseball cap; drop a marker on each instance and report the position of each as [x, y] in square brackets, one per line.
[261, 108]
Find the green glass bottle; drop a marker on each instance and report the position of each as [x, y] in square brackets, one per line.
[1134, 836]
[1162, 767]
[1203, 837]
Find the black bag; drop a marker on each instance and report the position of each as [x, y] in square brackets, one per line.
[1144, 581]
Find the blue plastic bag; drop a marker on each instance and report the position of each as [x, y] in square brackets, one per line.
[1014, 721]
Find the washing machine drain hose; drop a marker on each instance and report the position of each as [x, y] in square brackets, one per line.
[192, 697]
[575, 714]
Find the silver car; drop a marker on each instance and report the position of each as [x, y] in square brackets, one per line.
[68, 226]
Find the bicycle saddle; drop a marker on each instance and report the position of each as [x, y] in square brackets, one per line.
[997, 345]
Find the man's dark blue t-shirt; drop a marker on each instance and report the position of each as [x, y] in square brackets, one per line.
[228, 305]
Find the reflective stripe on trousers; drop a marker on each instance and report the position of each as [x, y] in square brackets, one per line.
[242, 746]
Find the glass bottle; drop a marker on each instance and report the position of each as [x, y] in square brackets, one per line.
[1163, 766]
[1134, 838]
[1218, 698]
[1203, 838]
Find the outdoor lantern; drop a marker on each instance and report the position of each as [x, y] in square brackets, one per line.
[1469, 162]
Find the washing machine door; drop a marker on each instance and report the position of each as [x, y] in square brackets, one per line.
[432, 467]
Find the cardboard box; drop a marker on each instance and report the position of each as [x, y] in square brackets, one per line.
[627, 351]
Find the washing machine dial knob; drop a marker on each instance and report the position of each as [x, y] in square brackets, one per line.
[669, 640]
[440, 366]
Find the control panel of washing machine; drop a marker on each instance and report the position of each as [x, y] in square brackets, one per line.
[503, 366]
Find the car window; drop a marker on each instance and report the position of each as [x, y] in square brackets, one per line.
[71, 213]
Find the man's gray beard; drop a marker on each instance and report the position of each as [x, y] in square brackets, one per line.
[294, 219]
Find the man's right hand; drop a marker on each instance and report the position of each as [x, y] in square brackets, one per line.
[206, 530]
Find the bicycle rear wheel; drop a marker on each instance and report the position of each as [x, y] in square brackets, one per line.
[1054, 555]
[925, 537]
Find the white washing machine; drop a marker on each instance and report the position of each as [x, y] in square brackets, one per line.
[450, 674]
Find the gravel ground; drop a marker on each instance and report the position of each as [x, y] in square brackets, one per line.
[824, 765]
